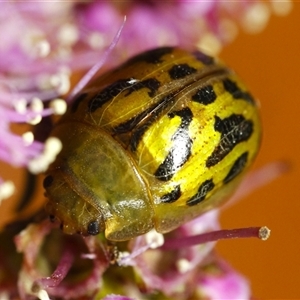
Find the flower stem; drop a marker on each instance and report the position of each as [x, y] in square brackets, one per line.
[259, 232]
[60, 272]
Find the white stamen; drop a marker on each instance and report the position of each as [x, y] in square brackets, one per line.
[7, 188]
[20, 105]
[264, 233]
[53, 145]
[35, 120]
[28, 138]
[37, 104]
[42, 48]
[154, 239]
[256, 18]
[59, 106]
[228, 29]
[38, 165]
[281, 8]
[183, 265]
[123, 258]
[35, 43]
[42, 295]
[68, 34]
[61, 82]
[41, 163]
[210, 44]
[96, 40]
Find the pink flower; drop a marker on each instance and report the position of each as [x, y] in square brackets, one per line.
[223, 283]
[43, 46]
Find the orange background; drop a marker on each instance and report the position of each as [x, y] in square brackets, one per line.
[270, 63]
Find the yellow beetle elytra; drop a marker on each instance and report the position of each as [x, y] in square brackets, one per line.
[152, 144]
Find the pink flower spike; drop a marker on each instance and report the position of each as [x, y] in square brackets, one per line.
[259, 232]
[59, 274]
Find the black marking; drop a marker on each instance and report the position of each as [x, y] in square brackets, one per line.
[205, 95]
[52, 218]
[238, 166]
[152, 56]
[93, 228]
[152, 111]
[234, 130]
[110, 92]
[231, 87]
[180, 71]
[114, 89]
[152, 84]
[78, 99]
[204, 188]
[172, 196]
[131, 123]
[48, 181]
[181, 149]
[205, 59]
[140, 131]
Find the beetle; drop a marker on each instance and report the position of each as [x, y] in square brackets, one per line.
[153, 143]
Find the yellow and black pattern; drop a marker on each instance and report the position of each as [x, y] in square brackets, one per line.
[184, 124]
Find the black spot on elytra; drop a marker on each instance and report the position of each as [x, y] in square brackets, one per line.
[129, 85]
[205, 59]
[237, 167]
[151, 84]
[93, 228]
[139, 132]
[48, 181]
[181, 146]
[110, 92]
[180, 71]
[234, 130]
[152, 111]
[205, 95]
[172, 196]
[152, 56]
[78, 99]
[131, 123]
[204, 188]
[232, 88]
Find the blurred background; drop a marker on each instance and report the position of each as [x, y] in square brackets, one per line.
[269, 63]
